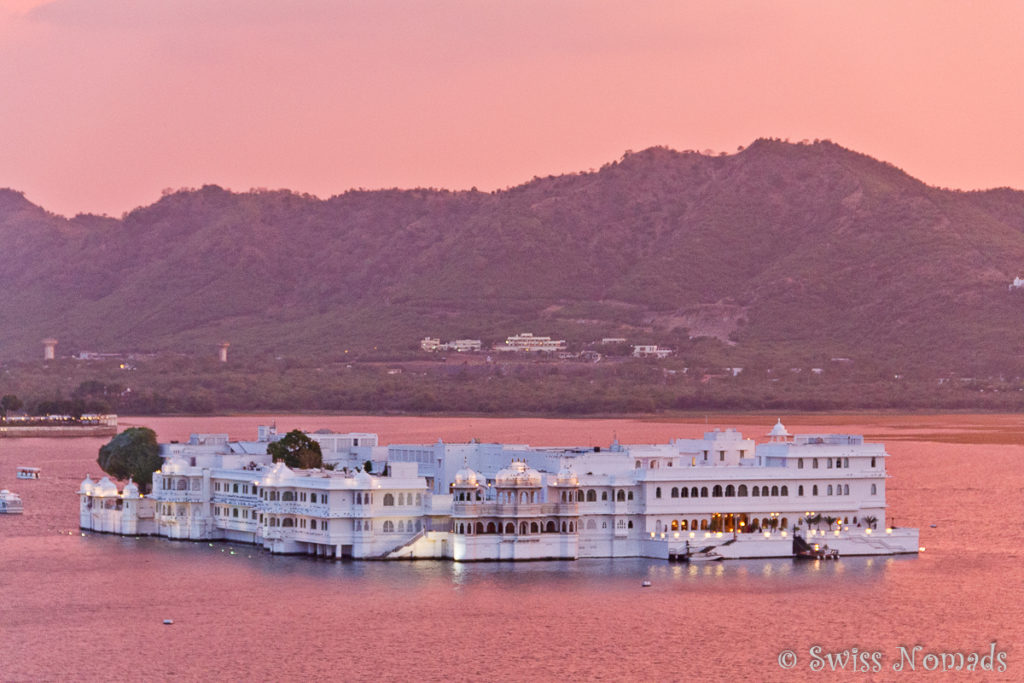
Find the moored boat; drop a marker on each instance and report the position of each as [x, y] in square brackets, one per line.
[10, 503]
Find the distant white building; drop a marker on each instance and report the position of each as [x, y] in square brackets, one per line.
[650, 350]
[477, 501]
[613, 340]
[457, 345]
[526, 341]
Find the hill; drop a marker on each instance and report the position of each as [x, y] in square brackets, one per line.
[782, 252]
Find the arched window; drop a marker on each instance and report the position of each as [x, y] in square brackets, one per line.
[629, 525]
[591, 524]
[604, 525]
[657, 492]
[182, 484]
[814, 490]
[839, 462]
[684, 492]
[401, 500]
[846, 489]
[703, 491]
[693, 492]
[366, 526]
[479, 527]
[490, 527]
[522, 528]
[579, 496]
[419, 499]
[675, 525]
[620, 496]
[874, 489]
[638, 464]
[510, 528]
[288, 521]
[755, 491]
[604, 495]
[828, 462]
[846, 462]
[389, 499]
[764, 490]
[534, 528]
[288, 495]
[563, 527]
[591, 496]
[717, 491]
[419, 525]
[800, 490]
[550, 528]
[785, 491]
[401, 526]
[742, 491]
[704, 525]
[693, 524]
[785, 523]
[872, 462]
[775, 490]
[830, 489]
[675, 492]
[629, 495]
[359, 498]
[730, 491]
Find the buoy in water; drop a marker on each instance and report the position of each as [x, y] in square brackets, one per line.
[168, 622]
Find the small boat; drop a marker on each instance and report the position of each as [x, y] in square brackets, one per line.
[10, 503]
[168, 622]
[28, 473]
[709, 556]
[645, 584]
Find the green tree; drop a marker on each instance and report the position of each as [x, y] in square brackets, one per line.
[297, 450]
[132, 453]
[10, 403]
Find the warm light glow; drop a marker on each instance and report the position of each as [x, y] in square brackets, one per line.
[888, 531]
[867, 531]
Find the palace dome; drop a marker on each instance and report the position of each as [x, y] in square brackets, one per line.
[466, 477]
[131, 490]
[105, 488]
[779, 430]
[87, 486]
[566, 477]
[363, 479]
[518, 474]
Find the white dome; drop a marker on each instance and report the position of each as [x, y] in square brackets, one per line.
[87, 486]
[363, 479]
[278, 472]
[779, 430]
[567, 477]
[105, 488]
[518, 474]
[173, 465]
[131, 490]
[466, 477]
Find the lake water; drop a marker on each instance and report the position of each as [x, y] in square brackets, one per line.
[90, 607]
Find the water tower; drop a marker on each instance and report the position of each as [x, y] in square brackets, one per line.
[224, 351]
[49, 345]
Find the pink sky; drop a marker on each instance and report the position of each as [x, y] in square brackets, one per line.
[104, 103]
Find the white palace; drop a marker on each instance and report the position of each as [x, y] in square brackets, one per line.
[480, 501]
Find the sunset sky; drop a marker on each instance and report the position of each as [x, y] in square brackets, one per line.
[104, 103]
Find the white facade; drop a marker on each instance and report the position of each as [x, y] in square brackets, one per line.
[650, 350]
[457, 345]
[476, 501]
[526, 341]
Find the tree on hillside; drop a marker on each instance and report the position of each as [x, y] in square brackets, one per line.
[296, 450]
[9, 404]
[132, 453]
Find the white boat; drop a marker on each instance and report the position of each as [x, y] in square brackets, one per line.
[28, 472]
[10, 503]
[710, 556]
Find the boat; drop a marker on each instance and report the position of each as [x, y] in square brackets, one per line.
[708, 556]
[646, 584]
[804, 551]
[10, 503]
[28, 472]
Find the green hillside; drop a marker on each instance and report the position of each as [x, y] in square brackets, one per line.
[785, 252]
